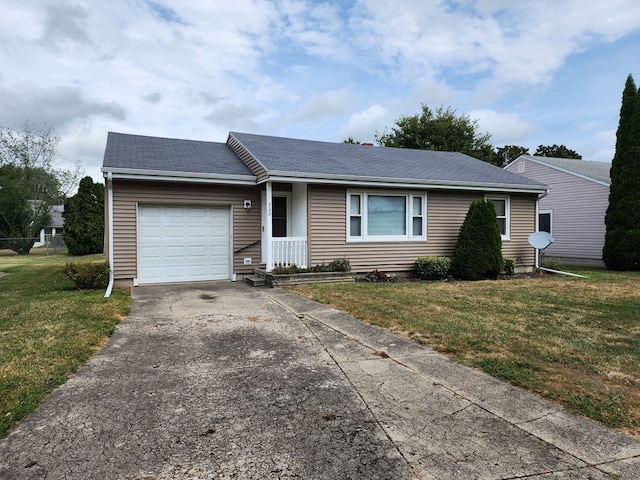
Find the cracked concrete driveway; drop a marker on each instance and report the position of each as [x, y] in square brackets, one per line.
[221, 380]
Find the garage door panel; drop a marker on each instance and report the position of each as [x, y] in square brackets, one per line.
[183, 243]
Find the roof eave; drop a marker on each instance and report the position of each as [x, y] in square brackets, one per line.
[403, 183]
[174, 176]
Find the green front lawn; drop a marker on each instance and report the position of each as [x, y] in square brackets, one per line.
[573, 341]
[47, 328]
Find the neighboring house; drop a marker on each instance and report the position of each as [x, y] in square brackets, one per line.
[55, 228]
[183, 210]
[574, 210]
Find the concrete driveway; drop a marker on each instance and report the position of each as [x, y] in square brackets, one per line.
[221, 380]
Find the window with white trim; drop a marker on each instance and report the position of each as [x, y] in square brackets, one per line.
[386, 217]
[503, 214]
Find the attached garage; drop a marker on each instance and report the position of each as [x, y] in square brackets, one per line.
[178, 243]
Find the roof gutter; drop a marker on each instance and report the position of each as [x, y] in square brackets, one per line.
[171, 176]
[404, 183]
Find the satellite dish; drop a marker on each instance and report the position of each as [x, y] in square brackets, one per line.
[540, 240]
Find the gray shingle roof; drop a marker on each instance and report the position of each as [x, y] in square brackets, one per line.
[594, 170]
[137, 152]
[293, 157]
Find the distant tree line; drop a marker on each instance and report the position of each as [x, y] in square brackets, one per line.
[442, 129]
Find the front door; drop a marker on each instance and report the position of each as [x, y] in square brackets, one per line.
[279, 217]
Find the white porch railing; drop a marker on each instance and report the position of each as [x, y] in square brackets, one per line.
[289, 250]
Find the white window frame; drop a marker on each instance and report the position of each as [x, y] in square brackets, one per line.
[507, 213]
[546, 212]
[409, 217]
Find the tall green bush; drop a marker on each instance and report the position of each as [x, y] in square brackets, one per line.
[622, 239]
[84, 219]
[478, 251]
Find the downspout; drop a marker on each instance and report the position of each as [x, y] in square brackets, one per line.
[541, 196]
[538, 267]
[537, 260]
[107, 294]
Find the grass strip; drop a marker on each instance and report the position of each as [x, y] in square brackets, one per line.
[570, 340]
[47, 328]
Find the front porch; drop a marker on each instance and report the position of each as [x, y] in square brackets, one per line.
[284, 225]
[287, 251]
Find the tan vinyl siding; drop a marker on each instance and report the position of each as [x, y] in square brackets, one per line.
[445, 213]
[578, 205]
[523, 224]
[248, 159]
[128, 194]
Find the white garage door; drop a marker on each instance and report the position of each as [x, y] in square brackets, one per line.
[183, 243]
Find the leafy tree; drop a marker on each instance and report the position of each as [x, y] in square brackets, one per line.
[621, 249]
[509, 153]
[350, 140]
[29, 184]
[440, 130]
[478, 251]
[84, 219]
[557, 151]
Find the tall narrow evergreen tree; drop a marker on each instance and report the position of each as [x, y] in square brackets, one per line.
[84, 219]
[622, 240]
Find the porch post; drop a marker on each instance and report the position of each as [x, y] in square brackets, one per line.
[268, 226]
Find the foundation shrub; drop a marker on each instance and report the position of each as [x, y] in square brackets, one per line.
[509, 267]
[88, 276]
[432, 268]
[477, 254]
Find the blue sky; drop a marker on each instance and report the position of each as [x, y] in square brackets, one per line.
[531, 72]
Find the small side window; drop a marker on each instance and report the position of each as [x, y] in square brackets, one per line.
[417, 213]
[355, 215]
[502, 215]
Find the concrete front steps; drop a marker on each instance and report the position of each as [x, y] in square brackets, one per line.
[262, 278]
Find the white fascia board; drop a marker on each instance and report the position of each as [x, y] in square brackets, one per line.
[166, 176]
[409, 184]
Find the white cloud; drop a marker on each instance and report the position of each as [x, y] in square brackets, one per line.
[364, 124]
[334, 102]
[64, 25]
[57, 107]
[505, 128]
[154, 97]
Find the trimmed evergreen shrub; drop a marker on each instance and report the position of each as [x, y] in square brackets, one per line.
[432, 268]
[88, 276]
[509, 266]
[478, 251]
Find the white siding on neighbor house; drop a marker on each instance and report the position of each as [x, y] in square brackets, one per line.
[446, 211]
[578, 205]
